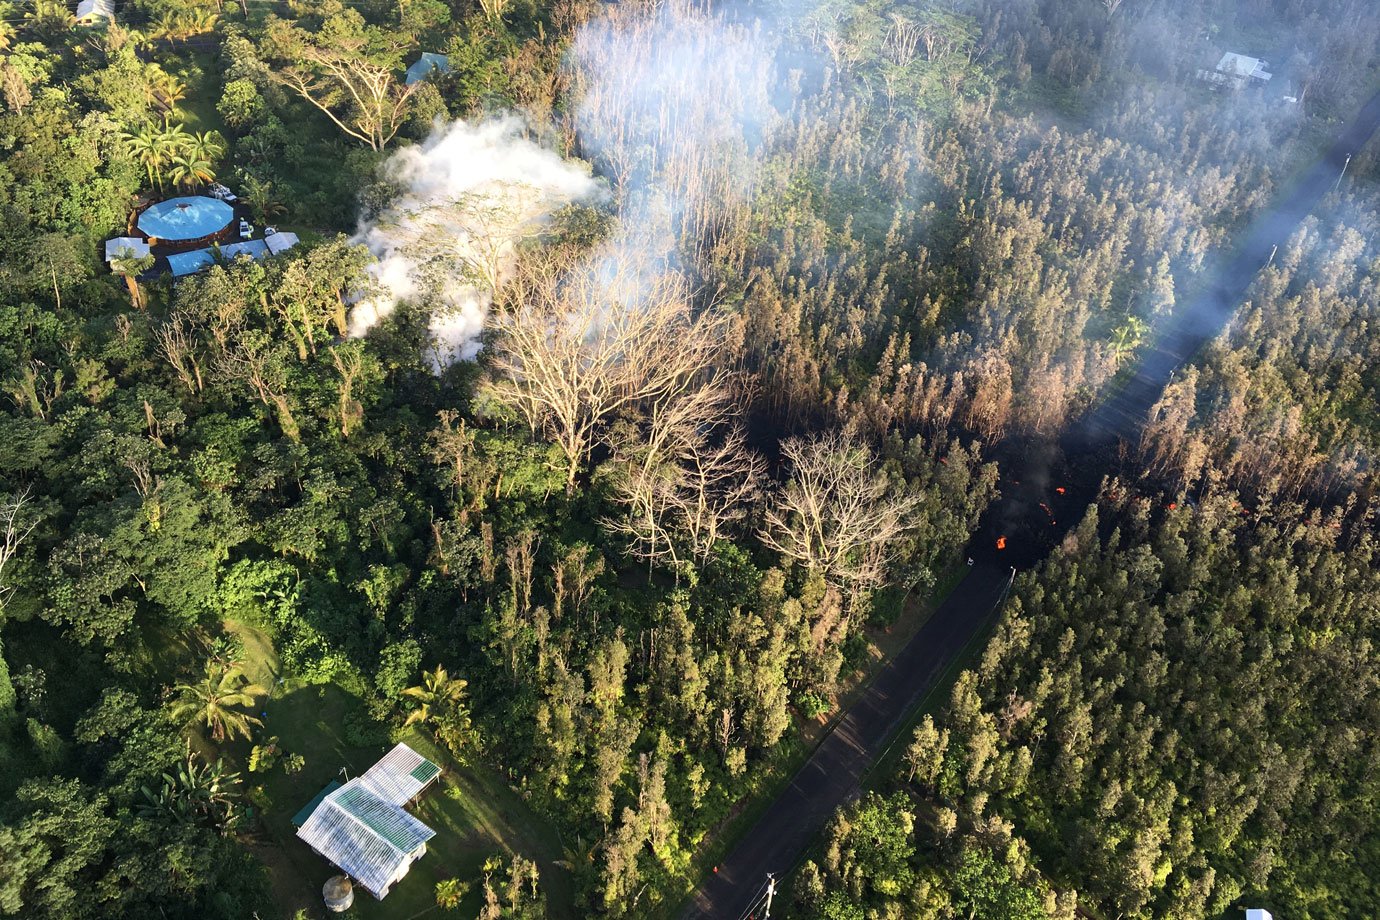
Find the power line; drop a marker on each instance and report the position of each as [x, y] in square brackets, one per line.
[756, 900]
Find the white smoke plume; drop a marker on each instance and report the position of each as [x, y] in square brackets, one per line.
[674, 101]
[470, 194]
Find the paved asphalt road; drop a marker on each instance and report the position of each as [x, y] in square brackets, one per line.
[833, 773]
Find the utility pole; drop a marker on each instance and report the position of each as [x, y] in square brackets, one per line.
[771, 893]
[1345, 164]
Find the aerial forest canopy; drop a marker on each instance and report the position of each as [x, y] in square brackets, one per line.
[593, 397]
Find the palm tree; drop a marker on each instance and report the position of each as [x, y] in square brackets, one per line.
[190, 171]
[262, 199]
[205, 145]
[175, 137]
[149, 147]
[164, 90]
[167, 27]
[49, 18]
[443, 707]
[1127, 337]
[200, 21]
[131, 266]
[212, 701]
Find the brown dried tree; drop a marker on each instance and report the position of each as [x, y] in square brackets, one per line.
[838, 514]
[574, 351]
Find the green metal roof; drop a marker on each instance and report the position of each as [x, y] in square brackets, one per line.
[424, 771]
[301, 817]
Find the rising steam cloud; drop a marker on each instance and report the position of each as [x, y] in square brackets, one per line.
[470, 194]
[674, 105]
[674, 102]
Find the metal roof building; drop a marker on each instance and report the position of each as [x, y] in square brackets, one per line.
[133, 245]
[426, 65]
[90, 10]
[280, 241]
[361, 827]
[1237, 70]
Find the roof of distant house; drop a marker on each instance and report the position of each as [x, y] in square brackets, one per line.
[281, 241]
[425, 65]
[121, 246]
[90, 9]
[1239, 65]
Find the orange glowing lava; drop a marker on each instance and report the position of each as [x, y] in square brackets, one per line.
[1001, 543]
[1060, 490]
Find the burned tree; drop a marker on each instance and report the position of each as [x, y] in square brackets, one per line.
[574, 352]
[838, 514]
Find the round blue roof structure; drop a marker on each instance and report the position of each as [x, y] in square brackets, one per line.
[189, 218]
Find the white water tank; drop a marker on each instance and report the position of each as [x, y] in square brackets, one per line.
[338, 893]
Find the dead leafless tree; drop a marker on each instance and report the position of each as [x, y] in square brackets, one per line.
[15, 527]
[719, 482]
[363, 99]
[574, 351]
[253, 361]
[902, 40]
[177, 344]
[837, 515]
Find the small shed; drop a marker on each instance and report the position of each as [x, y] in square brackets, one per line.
[1255, 913]
[88, 11]
[124, 246]
[426, 65]
[361, 827]
[281, 241]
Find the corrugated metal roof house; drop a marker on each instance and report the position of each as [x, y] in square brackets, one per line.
[362, 828]
[88, 11]
[122, 245]
[281, 241]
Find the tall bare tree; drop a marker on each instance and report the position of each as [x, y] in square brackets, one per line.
[838, 514]
[574, 351]
[177, 343]
[15, 527]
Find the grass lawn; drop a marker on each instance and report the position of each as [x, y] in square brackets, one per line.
[472, 809]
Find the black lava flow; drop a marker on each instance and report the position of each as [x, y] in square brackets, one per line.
[1046, 484]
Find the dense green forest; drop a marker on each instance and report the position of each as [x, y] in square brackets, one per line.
[631, 392]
